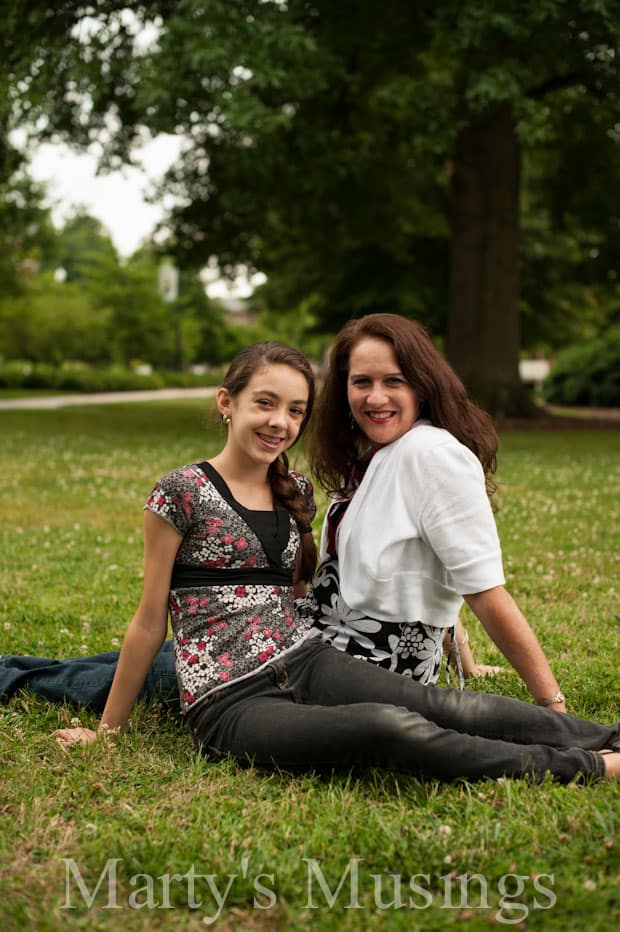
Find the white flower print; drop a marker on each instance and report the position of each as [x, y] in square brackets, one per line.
[342, 624]
[415, 643]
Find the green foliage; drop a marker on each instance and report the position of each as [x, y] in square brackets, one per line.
[300, 328]
[84, 249]
[79, 377]
[27, 236]
[570, 238]
[588, 373]
[321, 145]
[141, 323]
[49, 322]
[37, 42]
[105, 310]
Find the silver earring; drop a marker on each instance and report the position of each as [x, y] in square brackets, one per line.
[352, 421]
[226, 419]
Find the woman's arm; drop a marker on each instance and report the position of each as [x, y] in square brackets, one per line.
[505, 624]
[145, 634]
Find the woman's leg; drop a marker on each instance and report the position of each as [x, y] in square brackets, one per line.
[332, 678]
[83, 681]
[261, 720]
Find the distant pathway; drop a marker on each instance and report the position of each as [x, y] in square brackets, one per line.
[102, 398]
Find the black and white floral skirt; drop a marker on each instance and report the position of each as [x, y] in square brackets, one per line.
[410, 648]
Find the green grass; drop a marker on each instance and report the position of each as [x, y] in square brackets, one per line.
[73, 485]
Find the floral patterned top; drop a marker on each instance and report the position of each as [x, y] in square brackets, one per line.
[231, 594]
[411, 648]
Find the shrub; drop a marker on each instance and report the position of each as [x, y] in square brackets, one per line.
[587, 374]
[75, 376]
[20, 373]
[191, 379]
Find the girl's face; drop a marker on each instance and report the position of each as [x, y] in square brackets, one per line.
[267, 415]
[382, 402]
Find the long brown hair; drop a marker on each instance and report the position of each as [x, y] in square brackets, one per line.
[338, 443]
[283, 487]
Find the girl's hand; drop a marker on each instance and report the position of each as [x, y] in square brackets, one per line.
[70, 737]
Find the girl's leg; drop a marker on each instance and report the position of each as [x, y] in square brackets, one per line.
[83, 681]
[329, 677]
[261, 721]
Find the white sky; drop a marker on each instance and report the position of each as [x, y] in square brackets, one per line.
[116, 199]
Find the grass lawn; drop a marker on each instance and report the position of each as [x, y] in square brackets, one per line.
[179, 843]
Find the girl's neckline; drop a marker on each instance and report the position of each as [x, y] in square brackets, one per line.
[272, 528]
[222, 486]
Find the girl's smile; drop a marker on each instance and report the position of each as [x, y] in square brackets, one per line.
[267, 415]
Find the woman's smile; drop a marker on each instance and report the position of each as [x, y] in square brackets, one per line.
[381, 400]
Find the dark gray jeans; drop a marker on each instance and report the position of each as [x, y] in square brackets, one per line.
[319, 709]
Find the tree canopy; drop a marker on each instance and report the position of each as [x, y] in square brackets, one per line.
[428, 158]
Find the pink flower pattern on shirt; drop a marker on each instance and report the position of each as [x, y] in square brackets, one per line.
[224, 632]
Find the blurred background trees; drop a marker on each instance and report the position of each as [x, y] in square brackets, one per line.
[72, 298]
[452, 161]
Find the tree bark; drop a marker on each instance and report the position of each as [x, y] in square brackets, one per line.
[483, 323]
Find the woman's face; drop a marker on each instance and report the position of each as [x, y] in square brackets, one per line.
[382, 402]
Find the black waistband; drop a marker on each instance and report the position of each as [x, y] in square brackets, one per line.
[192, 577]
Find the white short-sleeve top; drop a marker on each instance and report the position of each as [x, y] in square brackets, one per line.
[419, 532]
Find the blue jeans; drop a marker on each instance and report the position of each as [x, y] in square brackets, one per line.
[319, 709]
[84, 681]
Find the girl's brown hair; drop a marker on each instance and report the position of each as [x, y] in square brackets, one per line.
[284, 488]
[338, 443]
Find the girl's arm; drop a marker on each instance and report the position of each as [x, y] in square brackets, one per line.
[145, 634]
[507, 627]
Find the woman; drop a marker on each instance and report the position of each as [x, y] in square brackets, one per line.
[411, 531]
[227, 541]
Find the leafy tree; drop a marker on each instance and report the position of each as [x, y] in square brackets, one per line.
[570, 243]
[27, 235]
[37, 43]
[49, 322]
[205, 335]
[83, 246]
[365, 156]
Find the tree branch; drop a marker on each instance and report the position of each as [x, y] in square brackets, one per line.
[557, 83]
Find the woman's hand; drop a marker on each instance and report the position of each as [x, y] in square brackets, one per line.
[483, 669]
[70, 737]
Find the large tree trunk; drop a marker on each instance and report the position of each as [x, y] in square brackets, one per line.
[483, 325]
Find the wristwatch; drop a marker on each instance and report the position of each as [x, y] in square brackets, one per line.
[554, 700]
